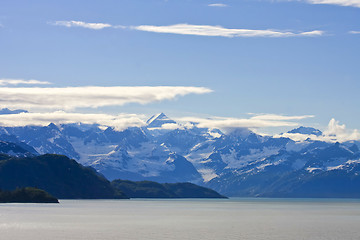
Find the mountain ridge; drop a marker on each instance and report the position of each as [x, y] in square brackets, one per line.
[199, 155]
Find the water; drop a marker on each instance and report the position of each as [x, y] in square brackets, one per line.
[183, 219]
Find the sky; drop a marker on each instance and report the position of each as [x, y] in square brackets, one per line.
[266, 64]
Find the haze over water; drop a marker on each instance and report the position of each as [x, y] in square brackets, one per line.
[183, 219]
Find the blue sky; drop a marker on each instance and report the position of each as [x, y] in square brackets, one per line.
[301, 58]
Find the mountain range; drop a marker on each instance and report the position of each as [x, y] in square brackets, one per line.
[239, 163]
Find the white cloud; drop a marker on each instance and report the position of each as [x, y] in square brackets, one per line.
[354, 32]
[346, 3]
[168, 126]
[69, 98]
[340, 133]
[281, 117]
[5, 81]
[119, 122]
[95, 26]
[231, 124]
[335, 132]
[297, 137]
[217, 5]
[123, 121]
[218, 31]
[198, 30]
[227, 124]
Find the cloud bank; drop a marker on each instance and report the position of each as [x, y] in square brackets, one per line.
[218, 31]
[123, 121]
[118, 122]
[7, 81]
[335, 132]
[232, 124]
[70, 98]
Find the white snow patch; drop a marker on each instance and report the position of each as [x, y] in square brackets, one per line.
[214, 134]
[198, 153]
[263, 166]
[310, 170]
[255, 155]
[88, 151]
[353, 161]
[207, 174]
[335, 167]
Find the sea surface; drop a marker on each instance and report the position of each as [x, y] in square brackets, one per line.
[236, 218]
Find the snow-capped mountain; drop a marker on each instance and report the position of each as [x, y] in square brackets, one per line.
[158, 120]
[240, 163]
[17, 149]
[49, 139]
[306, 130]
[312, 172]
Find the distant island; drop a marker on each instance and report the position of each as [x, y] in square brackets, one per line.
[149, 189]
[27, 195]
[64, 178]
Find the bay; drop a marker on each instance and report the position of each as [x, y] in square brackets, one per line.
[236, 218]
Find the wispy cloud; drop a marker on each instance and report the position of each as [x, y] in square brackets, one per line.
[69, 98]
[276, 117]
[198, 30]
[95, 26]
[118, 122]
[354, 32]
[231, 124]
[217, 5]
[345, 3]
[218, 31]
[7, 81]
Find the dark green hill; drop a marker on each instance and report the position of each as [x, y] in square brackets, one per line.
[56, 174]
[190, 190]
[64, 178]
[26, 195]
[148, 189]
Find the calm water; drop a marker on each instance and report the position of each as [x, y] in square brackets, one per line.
[183, 219]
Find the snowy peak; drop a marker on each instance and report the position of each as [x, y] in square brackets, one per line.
[306, 130]
[156, 121]
[52, 126]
